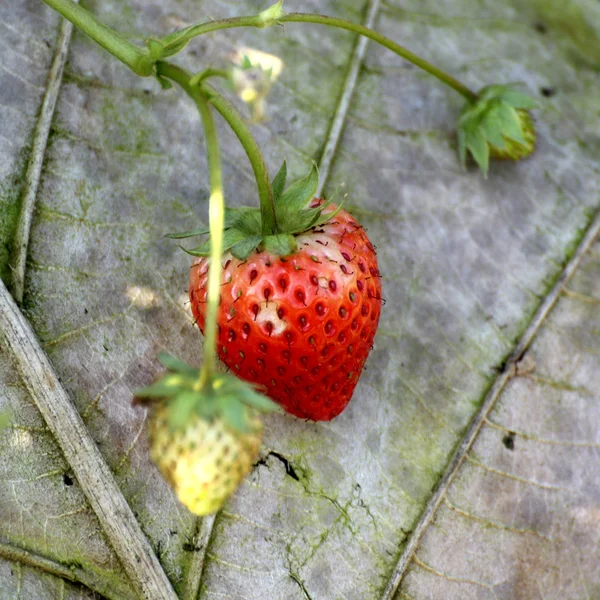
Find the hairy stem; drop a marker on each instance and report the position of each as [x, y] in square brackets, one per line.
[137, 59]
[143, 64]
[230, 114]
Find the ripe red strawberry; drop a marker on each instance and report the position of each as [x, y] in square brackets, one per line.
[301, 324]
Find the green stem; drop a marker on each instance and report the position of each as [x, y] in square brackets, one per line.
[229, 113]
[216, 221]
[210, 72]
[216, 213]
[179, 37]
[384, 41]
[183, 36]
[137, 59]
[263, 181]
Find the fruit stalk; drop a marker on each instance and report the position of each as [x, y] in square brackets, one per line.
[216, 216]
[263, 181]
[229, 113]
[387, 43]
[185, 35]
[216, 221]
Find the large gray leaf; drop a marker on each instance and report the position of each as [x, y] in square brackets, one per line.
[471, 269]
[524, 505]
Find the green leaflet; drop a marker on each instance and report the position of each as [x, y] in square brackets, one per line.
[177, 366]
[223, 395]
[181, 409]
[245, 247]
[297, 222]
[479, 148]
[259, 402]
[186, 234]
[492, 128]
[324, 218]
[232, 216]
[234, 413]
[202, 250]
[230, 238]
[462, 146]
[510, 123]
[282, 244]
[243, 226]
[249, 222]
[279, 182]
[300, 193]
[518, 100]
[165, 387]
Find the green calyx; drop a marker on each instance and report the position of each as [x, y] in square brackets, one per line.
[220, 396]
[243, 226]
[497, 125]
[271, 15]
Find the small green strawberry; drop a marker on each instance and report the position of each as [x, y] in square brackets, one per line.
[497, 125]
[204, 437]
[514, 150]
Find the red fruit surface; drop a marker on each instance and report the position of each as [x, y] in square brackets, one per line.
[302, 326]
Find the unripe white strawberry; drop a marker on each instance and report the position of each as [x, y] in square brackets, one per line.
[205, 432]
[203, 461]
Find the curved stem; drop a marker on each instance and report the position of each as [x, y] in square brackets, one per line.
[384, 41]
[207, 73]
[179, 38]
[263, 181]
[186, 35]
[229, 113]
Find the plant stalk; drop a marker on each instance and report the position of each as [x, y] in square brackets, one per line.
[263, 181]
[207, 73]
[216, 221]
[202, 28]
[137, 59]
[140, 61]
[216, 216]
[387, 43]
[229, 113]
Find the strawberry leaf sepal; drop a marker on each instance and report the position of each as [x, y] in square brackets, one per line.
[278, 184]
[298, 195]
[233, 217]
[296, 208]
[221, 396]
[271, 15]
[497, 125]
[282, 244]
